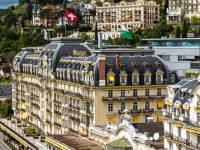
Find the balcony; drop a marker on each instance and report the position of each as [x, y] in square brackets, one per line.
[57, 112]
[136, 111]
[57, 124]
[175, 117]
[74, 119]
[60, 90]
[121, 112]
[198, 105]
[35, 104]
[192, 145]
[148, 110]
[57, 102]
[132, 97]
[48, 121]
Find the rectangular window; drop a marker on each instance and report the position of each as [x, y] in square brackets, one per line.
[158, 78]
[147, 80]
[158, 92]
[166, 57]
[147, 92]
[195, 65]
[123, 106]
[135, 79]
[134, 93]
[122, 80]
[198, 138]
[198, 118]
[110, 93]
[122, 93]
[110, 107]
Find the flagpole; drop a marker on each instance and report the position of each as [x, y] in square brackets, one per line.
[65, 30]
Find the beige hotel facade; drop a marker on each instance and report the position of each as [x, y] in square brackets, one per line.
[68, 86]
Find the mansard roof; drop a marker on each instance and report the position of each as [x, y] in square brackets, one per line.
[70, 53]
[185, 86]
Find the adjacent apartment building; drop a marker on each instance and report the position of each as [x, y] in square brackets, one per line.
[68, 86]
[180, 54]
[178, 10]
[138, 14]
[181, 115]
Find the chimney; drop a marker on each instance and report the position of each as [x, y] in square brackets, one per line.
[100, 42]
[102, 70]
[117, 60]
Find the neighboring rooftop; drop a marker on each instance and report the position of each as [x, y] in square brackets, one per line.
[77, 142]
[150, 127]
[5, 89]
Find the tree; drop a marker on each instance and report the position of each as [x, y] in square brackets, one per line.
[177, 32]
[195, 23]
[185, 28]
[10, 20]
[96, 32]
[85, 37]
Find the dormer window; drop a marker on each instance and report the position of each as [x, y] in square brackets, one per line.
[147, 79]
[135, 74]
[123, 79]
[110, 79]
[172, 78]
[147, 74]
[159, 77]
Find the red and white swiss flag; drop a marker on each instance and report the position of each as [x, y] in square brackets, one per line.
[71, 16]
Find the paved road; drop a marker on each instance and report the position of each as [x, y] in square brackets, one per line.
[3, 145]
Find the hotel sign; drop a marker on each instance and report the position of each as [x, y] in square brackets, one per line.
[79, 53]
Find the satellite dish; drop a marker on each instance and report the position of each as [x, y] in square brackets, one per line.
[156, 136]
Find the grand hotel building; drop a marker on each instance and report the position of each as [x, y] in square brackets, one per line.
[69, 85]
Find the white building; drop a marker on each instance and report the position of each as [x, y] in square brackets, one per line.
[181, 116]
[182, 55]
[137, 14]
[180, 9]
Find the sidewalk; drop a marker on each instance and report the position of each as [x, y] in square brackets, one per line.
[36, 142]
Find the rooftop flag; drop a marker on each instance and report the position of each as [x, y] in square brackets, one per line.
[71, 16]
[125, 34]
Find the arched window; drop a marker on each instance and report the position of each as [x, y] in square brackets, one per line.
[147, 106]
[135, 106]
[123, 106]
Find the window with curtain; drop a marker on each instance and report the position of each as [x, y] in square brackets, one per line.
[135, 106]
[147, 106]
[123, 106]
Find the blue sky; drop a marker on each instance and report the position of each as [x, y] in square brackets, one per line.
[6, 3]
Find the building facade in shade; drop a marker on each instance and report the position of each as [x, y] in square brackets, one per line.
[138, 14]
[181, 115]
[124, 136]
[68, 86]
[181, 54]
[178, 10]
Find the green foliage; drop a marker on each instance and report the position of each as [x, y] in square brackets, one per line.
[160, 30]
[85, 37]
[185, 28]
[177, 32]
[6, 109]
[191, 74]
[99, 3]
[5, 80]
